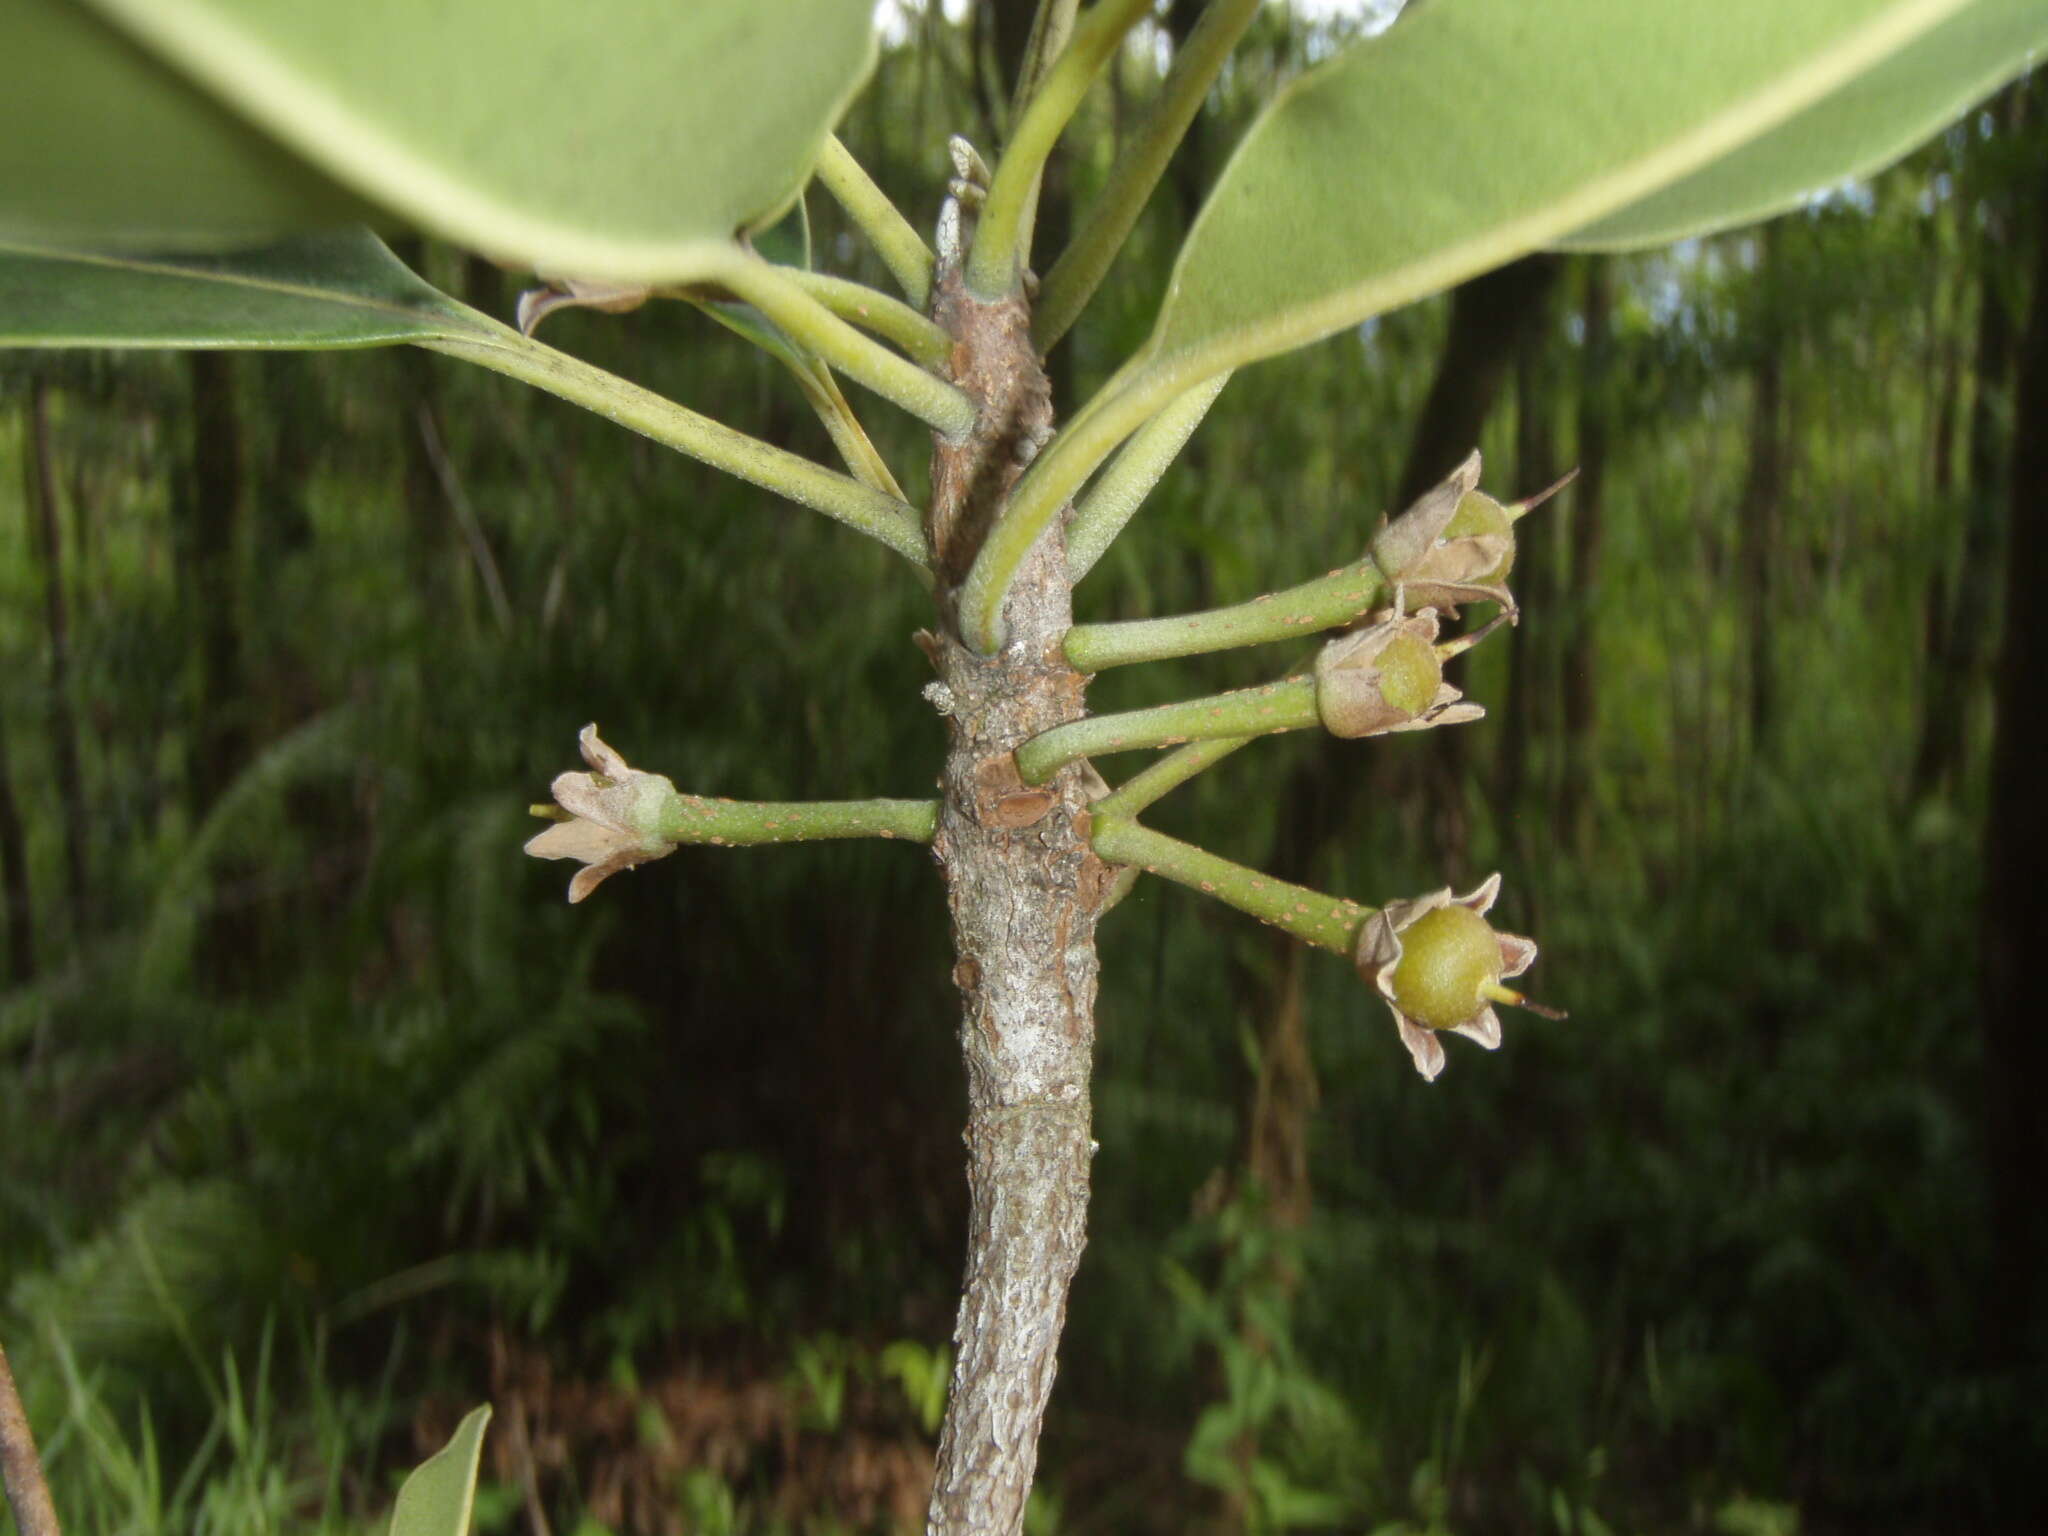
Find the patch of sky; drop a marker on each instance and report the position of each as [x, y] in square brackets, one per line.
[1338, 21]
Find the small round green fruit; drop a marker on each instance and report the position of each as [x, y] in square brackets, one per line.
[1410, 673]
[1449, 967]
[1479, 515]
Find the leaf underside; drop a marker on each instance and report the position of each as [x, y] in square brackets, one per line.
[1857, 131]
[614, 139]
[1476, 130]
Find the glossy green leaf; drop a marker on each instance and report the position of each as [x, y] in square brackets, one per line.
[612, 139]
[336, 290]
[1857, 131]
[437, 1498]
[1475, 130]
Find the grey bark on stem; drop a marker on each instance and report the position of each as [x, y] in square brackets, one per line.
[21, 1470]
[1024, 890]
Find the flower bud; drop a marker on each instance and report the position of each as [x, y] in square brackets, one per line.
[1439, 966]
[615, 820]
[1388, 677]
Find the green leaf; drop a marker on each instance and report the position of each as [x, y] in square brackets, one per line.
[1857, 131]
[1469, 133]
[336, 290]
[613, 139]
[99, 141]
[1476, 130]
[436, 1499]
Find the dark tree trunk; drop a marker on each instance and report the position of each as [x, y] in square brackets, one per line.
[1491, 316]
[1944, 412]
[1758, 516]
[2015, 912]
[291, 408]
[1955, 626]
[1530, 705]
[21, 931]
[212, 519]
[1189, 172]
[207, 511]
[430, 547]
[1584, 515]
[47, 537]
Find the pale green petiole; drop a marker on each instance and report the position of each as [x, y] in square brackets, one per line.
[733, 823]
[1175, 768]
[1003, 235]
[1076, 451]
[893, 320]
[1051, 25]
[809, 323]
[1347, 593]
[1172, 770]
[902, 249]
[1139, 164]
[1128, 479]
[1328, 922]
[1288, 705]
[820, 390]
[895, 523]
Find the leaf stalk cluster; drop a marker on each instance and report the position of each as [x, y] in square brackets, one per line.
[1288, 705]
[1350, 592]
[880, 516]
[1002, 239]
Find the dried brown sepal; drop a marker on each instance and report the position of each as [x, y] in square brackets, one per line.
[536, 304]
[1366, 683]
[1380, 951]
[615, 817]
[1409, 538]
[1470, 561]
[1457, 544]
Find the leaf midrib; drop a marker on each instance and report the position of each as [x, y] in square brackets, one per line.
[429, 304]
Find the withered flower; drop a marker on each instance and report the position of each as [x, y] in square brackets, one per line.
[615, 817]
[1439, 965]
[1456, 544]
[1389, 677]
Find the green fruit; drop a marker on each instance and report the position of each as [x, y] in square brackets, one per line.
[1449, 958]
[1479, 514]
[1410, 673]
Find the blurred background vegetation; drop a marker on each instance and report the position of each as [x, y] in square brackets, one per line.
[323, 1117]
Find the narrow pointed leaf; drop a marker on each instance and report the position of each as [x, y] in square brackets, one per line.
[336, 290]
[1476, 130]
[612, 139]
[1857, 131]
[437, 1498]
